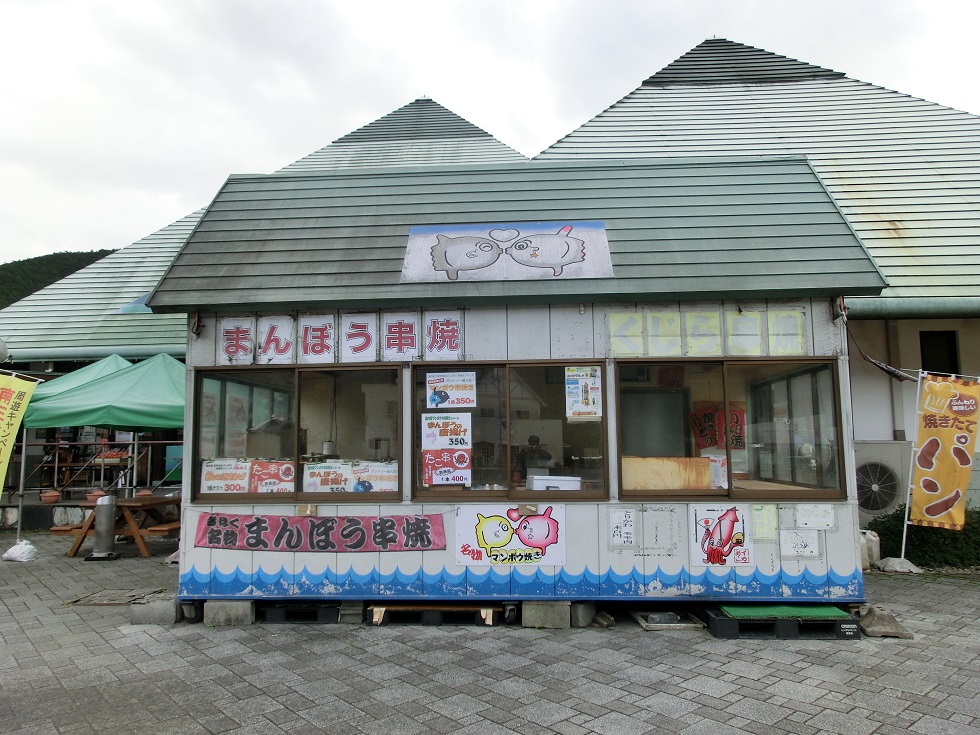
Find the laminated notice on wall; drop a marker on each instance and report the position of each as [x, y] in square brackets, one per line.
[799, 542]
[622, 527]
[815, 515]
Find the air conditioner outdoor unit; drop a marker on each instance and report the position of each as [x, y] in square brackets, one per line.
[882, 470]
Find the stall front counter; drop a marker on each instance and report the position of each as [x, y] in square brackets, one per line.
[712, 551]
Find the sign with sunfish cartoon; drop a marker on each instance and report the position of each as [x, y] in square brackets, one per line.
[513, 251]
[507, 535]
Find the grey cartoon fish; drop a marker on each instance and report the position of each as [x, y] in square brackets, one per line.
[454, 254]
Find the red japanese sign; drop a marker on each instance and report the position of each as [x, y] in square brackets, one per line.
[338, 534]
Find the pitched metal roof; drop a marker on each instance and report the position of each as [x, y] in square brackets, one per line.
[719, 61]
[79, 317]
[422, 133]
[676, 230]
[904, 171]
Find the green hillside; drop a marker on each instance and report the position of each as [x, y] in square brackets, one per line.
[23, 277]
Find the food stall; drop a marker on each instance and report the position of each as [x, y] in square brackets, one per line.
[563, 382]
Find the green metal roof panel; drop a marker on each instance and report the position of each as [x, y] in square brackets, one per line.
[904, 171]
[676, 230]
[421, 133]
[720, 61]
[77, 317]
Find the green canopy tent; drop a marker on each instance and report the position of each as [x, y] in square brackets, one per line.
[105, 366]
[147, 395]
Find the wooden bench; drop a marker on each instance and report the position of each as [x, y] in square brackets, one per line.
[66, 530]
[161, 529]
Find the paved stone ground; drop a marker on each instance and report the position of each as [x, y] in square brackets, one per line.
[68, 668]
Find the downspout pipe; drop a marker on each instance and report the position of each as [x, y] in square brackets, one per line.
[919, 307]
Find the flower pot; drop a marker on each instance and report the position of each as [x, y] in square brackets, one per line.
[50, 496]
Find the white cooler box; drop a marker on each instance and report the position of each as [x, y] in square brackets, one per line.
[554, 482]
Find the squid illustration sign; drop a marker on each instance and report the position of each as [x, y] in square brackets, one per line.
[510, 251]
[720, 536]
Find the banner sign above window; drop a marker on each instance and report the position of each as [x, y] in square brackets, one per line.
[320, 533]
[521, 251]
[358, 337]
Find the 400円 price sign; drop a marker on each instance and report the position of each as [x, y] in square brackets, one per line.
[447, 449]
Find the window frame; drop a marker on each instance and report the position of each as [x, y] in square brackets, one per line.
[512, 492]
[784, 491]
[240, 374]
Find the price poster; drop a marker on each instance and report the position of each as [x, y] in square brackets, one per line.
[583, 393]
[225, 476]
[271, 477]
[450, 390]
[447, 449]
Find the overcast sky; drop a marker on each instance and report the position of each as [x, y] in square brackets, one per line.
[118, 117]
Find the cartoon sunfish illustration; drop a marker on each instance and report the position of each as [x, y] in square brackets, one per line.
[438, 397]
[538, 531]
[362, 486]
[455, 254]
[548, 251]
[492, 532]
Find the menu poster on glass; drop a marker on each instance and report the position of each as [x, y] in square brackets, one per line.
[224, 476]
[447, 449]
[445, 390]
[236, 420]
[583, 393]
[333, 476]
[339, 476]
[208, 432]
[271, 477]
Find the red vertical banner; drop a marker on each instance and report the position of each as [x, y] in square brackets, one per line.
[946, 435]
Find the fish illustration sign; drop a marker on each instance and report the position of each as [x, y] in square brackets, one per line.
[511, 251]
[489, 535]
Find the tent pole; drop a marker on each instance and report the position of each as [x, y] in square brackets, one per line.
[23, 480]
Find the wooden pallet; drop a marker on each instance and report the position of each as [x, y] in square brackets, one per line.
[435, 613]
[298, 612]
[721, 625]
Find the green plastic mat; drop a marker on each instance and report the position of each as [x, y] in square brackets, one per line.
[760, 612]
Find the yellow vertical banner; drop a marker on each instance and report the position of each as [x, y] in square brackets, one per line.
[15, 394]
[945, 438]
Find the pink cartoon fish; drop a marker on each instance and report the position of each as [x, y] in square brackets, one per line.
[537, 532]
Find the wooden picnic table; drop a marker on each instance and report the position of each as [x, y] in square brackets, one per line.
[137, 517]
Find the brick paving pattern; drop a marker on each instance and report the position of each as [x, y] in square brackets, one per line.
[67, 668]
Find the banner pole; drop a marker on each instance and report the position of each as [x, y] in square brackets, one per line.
[23, 480]
[915, 440]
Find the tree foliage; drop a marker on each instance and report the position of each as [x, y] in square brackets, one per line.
[23, 277]
[929, 547]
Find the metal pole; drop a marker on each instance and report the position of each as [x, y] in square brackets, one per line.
[105, 522]
[915, 440]
[23, 480]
